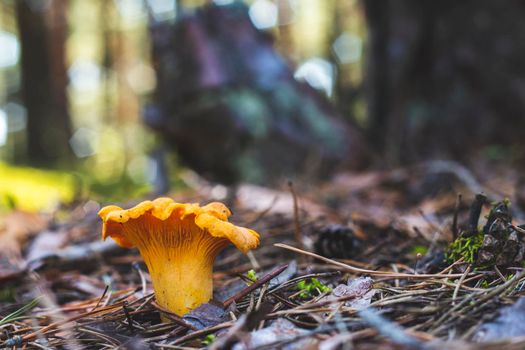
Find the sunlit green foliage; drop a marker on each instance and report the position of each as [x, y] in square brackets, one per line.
[34, 189]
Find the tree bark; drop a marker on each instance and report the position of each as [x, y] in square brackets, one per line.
[377, 80]
[445, 79]
[42, 28]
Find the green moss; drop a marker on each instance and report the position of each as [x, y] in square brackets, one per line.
[309, 289]
[465, 247]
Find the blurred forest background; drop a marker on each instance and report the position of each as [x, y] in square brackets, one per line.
[413, 80]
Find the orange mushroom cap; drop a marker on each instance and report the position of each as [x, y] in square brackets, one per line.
[179, 243]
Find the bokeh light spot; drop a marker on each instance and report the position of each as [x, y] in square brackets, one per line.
[264, 14]
[16, 117]
[9, 49]
[83, 142]
[85, 75]
[317, 72]
[347, 48]
[3, 128]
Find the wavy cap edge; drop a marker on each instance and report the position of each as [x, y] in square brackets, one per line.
[212, 218]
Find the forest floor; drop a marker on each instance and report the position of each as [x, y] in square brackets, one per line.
[363, 261]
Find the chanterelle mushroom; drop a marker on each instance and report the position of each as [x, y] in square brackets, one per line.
[179, 243]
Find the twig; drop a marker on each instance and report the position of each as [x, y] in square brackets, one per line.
[498, 272]
[94, 332]
[365, 271]
[297, 224]
[137, 268]
[101, 297]
[176, 319]
[255, 285]
[458, 286]
[128, 317]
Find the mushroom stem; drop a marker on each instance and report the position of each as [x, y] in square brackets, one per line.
[183, 286]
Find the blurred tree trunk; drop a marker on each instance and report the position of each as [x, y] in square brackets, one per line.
[400, 35]
[445, 78]
[376, 70]
[108, 60]
[42, 27]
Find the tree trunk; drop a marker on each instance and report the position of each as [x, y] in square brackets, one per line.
[42, 27]
[377, 80]
[445, 79]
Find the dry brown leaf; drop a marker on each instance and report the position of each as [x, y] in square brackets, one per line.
[16, 228]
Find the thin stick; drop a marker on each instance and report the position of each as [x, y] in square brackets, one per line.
[357, 270]
[297, 224]
[455, 231]
[458, 286]
[175, 318]
[142, 277]
[101, 297]
[255, 285]
[128, 317]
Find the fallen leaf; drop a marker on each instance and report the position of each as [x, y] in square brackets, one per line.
[16, 228]
[206, 315]
[361, 288]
